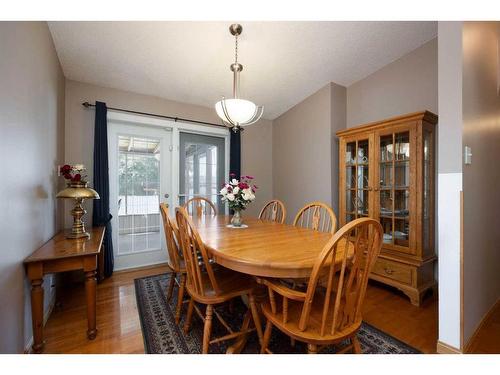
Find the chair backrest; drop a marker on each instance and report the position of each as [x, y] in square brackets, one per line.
[339, 297]
[273, 211]
[171, 238]
[317, 216]
[345, 293]
[199, 206]
[195, 255]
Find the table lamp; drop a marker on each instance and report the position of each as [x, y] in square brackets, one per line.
[78, 191]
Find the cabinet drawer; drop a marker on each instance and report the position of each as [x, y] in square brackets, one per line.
[393, 270]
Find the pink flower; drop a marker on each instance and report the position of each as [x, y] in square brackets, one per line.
[243, 185]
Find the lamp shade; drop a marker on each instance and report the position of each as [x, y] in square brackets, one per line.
[239, 111]
[78, 192]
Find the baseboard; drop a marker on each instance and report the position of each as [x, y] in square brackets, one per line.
[46, 315]
[483, 321]
[142, 267]
[442, 348]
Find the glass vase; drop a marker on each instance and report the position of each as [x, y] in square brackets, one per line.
[237, 219]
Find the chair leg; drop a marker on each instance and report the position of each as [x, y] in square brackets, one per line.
[187, 323]
[312, 349]
[171, 286]
[180, 298]
[267, 337]
[292, 342]
[207, 328]
[256, 317]
[356, 347]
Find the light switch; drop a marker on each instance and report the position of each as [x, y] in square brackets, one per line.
[468, 155]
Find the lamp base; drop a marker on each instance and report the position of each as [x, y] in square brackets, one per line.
[72, 235]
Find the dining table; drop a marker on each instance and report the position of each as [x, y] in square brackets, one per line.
[263, 249]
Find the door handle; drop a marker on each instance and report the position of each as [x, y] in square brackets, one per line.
[167, 195]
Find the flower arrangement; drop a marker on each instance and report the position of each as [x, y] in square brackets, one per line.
[238, 193]
[74, 173]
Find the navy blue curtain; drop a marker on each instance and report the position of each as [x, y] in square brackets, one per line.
[235, 153]
[101, 215]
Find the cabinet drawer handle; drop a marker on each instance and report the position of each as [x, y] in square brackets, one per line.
[388, 271]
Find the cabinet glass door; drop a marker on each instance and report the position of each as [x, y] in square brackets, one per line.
[357, 177]
[394, 187]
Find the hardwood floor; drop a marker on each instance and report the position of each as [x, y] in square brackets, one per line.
[487, 340]
[390, 311]
[119, 329]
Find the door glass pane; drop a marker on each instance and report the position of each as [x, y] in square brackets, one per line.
[386, 214]
[426, 228]
[202, 161]
[350, 154]
[401, 186]
[362, 179]
[139, 194]
[362, 203]
[394, 184]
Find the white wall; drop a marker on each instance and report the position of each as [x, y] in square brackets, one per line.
[450, 180]
[32, 134]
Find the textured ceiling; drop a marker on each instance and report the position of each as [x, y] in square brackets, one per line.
[284, 62]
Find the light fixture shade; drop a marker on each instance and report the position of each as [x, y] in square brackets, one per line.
[239, 111]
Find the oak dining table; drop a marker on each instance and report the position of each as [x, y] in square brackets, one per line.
[262, 249]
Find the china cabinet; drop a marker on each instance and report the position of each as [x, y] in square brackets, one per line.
[386, 171]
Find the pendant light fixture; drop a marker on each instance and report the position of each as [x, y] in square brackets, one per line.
[236, 112]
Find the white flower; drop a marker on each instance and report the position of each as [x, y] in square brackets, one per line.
[224, 191]
[248, 195]
[236, 190]
[230, 197]
[234, 182]
[78, 167]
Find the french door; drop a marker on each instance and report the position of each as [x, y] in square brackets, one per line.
[202, 167]
[140, 179]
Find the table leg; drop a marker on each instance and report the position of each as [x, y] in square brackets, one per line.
[37, 314]
[242, 340]
[90, 291]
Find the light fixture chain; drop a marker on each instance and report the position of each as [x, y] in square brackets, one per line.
[236, 50]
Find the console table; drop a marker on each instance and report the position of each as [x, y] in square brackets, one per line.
[61, 254]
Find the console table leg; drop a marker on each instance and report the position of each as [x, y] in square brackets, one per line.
[37, 314]
[90, 291]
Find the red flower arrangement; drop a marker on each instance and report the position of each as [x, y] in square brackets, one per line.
[74, 173]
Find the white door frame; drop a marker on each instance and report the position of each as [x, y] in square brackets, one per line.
[116, 117]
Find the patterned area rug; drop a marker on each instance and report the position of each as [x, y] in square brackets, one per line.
[163, 336]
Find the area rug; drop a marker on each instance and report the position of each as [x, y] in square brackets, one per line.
[163, 336]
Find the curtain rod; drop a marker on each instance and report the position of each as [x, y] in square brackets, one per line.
[176, 119]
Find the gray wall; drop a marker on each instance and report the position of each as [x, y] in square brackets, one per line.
[338, 122]
[406, 85]
[481, 179]
[302, 154]
[256, 139]
[32, 131]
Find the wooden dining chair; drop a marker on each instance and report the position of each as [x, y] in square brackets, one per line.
[317, 216]
[200, 206]
[175, 260]
[273, 211]
[211, 287]
[328, 315]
